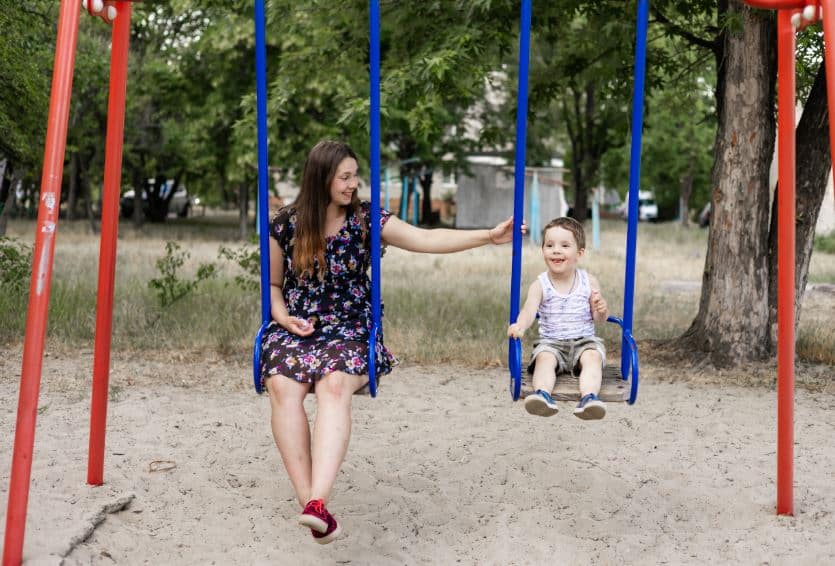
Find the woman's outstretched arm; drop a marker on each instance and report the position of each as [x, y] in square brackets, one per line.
[444, 240]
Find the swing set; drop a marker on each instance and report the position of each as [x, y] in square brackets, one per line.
[792, 14]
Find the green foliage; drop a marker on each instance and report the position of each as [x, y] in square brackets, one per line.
[825, 243]
[248, 258]
[170, 288]
[678, 141]
[15, 265]
[26, 49]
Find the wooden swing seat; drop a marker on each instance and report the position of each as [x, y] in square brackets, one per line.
[614, 388]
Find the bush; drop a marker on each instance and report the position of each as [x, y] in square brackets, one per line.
[248, 259]
[15, 263]
[170, 288]
[825, 244]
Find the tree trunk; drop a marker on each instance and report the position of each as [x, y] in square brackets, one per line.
[5, 202]
[426, 209]
[4, 213]
[575, 137]
[243, 210]
[72, 197]
[731, 326]
[87, 195]
[7, 195]
[138, 187]
[3, 164]
[590, 159]
[686, 191]
[813, 166]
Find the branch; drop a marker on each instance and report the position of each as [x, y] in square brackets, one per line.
[683, 33]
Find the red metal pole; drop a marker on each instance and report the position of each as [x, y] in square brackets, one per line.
[776, 4]
[109, 229]
[785, 260]
[829, 60]
[39, 286]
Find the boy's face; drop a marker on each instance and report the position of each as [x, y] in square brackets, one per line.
[560, 251]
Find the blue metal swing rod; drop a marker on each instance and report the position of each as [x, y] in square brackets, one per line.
[263, 180]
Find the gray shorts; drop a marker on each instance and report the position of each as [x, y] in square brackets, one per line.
[567, 351]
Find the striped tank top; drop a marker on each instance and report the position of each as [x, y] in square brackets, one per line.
[565, 317]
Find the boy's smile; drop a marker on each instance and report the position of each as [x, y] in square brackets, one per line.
[560, 251]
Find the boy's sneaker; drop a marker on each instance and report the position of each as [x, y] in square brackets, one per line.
[315, 516]
[590, 408]
[541, 403]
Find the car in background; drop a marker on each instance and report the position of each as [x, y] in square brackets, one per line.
[647, 207]
[181, 204]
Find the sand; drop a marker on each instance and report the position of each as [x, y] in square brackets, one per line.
[443, 468]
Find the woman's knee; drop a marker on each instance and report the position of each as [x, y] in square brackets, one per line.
[338, 385]
[284, 390]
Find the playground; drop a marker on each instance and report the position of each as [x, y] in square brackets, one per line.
[686, 477]
[443, 466]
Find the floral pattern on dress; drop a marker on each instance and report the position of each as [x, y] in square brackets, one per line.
[339, 306]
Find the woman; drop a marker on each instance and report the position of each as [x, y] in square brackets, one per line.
[318, 340]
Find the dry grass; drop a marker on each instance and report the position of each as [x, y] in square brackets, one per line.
[439, 309]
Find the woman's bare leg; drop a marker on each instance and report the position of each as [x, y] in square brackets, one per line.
[291, 431]
[332, 429]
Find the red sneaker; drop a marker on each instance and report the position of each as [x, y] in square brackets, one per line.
[315, 516]
[330, 535]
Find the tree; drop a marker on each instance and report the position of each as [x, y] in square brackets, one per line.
[814, 165]
[736, 268]
[436, 58]
[25, 52]
[740, 268]
[676, 155]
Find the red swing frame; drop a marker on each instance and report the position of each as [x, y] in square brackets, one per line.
[791, 16]
[116, 13]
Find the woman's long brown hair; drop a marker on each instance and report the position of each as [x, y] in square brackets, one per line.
[311, 204]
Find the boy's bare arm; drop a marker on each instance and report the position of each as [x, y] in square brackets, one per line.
[528, 312]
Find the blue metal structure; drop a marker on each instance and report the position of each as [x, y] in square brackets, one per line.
[634, 186]
[629, 350]
[514, 351]
[374, 24]
[263, 180]
[263, 188]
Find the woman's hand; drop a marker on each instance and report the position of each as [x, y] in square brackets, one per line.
[297, 326]
[502, 232]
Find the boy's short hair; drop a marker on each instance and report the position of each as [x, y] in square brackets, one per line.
[569, 224]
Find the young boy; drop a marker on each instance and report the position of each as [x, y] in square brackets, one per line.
[569, 302]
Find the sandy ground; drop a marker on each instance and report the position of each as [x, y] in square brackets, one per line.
[443, 469]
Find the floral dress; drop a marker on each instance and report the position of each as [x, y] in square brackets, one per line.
[339, 306]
